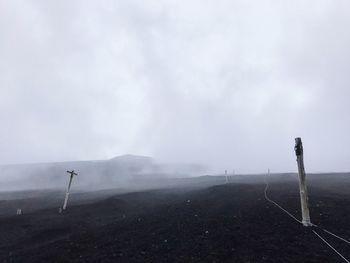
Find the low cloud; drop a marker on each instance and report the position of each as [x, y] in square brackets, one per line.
[227, 84]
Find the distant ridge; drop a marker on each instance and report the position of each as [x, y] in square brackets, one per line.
[132, 158]
[120, 171]
[124, 157]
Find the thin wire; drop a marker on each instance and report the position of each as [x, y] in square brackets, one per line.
[325, 230]
[331, 246]
[329, 232]
[273, 202]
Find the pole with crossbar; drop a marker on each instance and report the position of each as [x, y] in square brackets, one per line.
[72, 173]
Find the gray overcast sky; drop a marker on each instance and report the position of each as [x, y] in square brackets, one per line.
[225, 83]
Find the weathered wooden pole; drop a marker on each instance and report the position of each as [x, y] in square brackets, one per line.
[302, 182]
[226, 176]
[72, 173]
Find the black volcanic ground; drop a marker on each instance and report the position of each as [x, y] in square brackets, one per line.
[212, 223]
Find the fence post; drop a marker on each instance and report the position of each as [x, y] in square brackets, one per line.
[302, 182]
[72, 173]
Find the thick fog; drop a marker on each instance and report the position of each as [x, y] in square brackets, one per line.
[226, 84]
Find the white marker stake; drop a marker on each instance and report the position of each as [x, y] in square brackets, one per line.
[72, 173]
[302, 183]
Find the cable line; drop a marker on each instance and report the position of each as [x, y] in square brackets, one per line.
[273, 202]
[292, 216]
[331, 246]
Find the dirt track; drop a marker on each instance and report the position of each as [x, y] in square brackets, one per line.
[224, 223]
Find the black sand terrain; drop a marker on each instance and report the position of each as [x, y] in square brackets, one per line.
[219, 223]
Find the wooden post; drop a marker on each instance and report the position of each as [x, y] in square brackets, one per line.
[302, 182]
[226, 176]
[72, 173]
[65, 200]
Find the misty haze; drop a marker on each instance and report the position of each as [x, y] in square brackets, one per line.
[174, 131]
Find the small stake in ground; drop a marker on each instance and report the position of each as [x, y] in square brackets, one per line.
[72, 173]
[226, 176]
[302, 183]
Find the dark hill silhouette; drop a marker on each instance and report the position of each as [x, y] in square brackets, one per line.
[121, 171]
